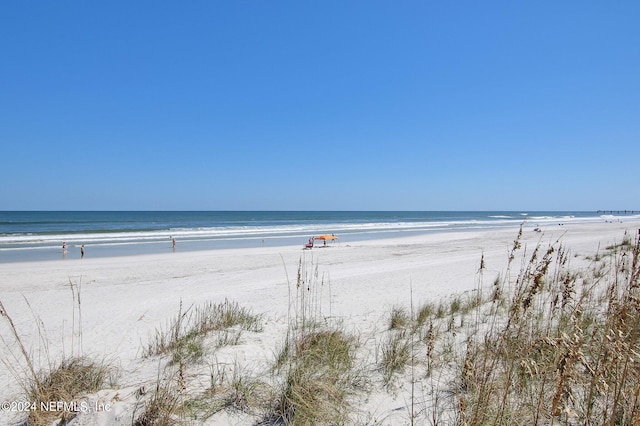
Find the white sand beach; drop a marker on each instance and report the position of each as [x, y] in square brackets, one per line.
[124, 300]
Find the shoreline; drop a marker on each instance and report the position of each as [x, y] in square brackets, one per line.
[190, 246]
[117, 250]
[130, 234]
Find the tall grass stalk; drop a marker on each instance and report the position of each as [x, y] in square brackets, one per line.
[316, 364]
[566, 349]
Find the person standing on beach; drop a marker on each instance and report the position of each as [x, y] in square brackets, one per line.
[173, 243]
[64, 247]
[82, 251]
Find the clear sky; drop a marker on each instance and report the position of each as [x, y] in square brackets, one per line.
[325, 105]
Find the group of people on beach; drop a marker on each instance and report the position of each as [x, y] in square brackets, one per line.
[64, 250]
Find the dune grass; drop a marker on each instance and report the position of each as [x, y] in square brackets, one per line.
[185, 331]
[395, 354]
[319, 379]
[162, 407]
[185, 341]
[546, 344]
[67, 382]
[564, 349]
[311, 381]
[316, 366]
[62, 384]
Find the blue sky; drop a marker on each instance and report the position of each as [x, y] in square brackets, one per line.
[357, 105]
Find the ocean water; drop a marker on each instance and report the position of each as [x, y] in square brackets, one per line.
[38, 235]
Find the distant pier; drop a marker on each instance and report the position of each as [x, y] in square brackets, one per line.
[618, 211]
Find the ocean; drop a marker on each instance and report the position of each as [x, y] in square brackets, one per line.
[39, 235]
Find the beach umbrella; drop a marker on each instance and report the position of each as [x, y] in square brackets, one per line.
[326, 237]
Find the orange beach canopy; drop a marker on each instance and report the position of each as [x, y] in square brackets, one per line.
[326, 237]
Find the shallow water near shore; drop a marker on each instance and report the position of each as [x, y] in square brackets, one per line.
[39, 235]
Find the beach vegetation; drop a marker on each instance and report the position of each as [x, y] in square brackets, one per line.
[186, 330]
[424, 313]
[161, 407]
[63, 383]
[186, 340]
[398, 318]
[317, 369]
[565, 351]
[441, 311]
[626, 244]
[548, 343]
[395, 354]
[233, 389]
[318, 379]
[188, 348]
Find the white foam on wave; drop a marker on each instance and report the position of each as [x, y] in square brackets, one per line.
[13, 241]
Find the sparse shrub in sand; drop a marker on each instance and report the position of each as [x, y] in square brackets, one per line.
[424, 314]
[63, 384]
[163, 406]
[411, 336]
[186, 330]
[219, 316]
[67, 382]
[241, 391]
[184, 340]
[319, 379]
[188, 348]
[231, 388]
[395, 353]
[312, 380]
[398, 318]
[318, 372]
